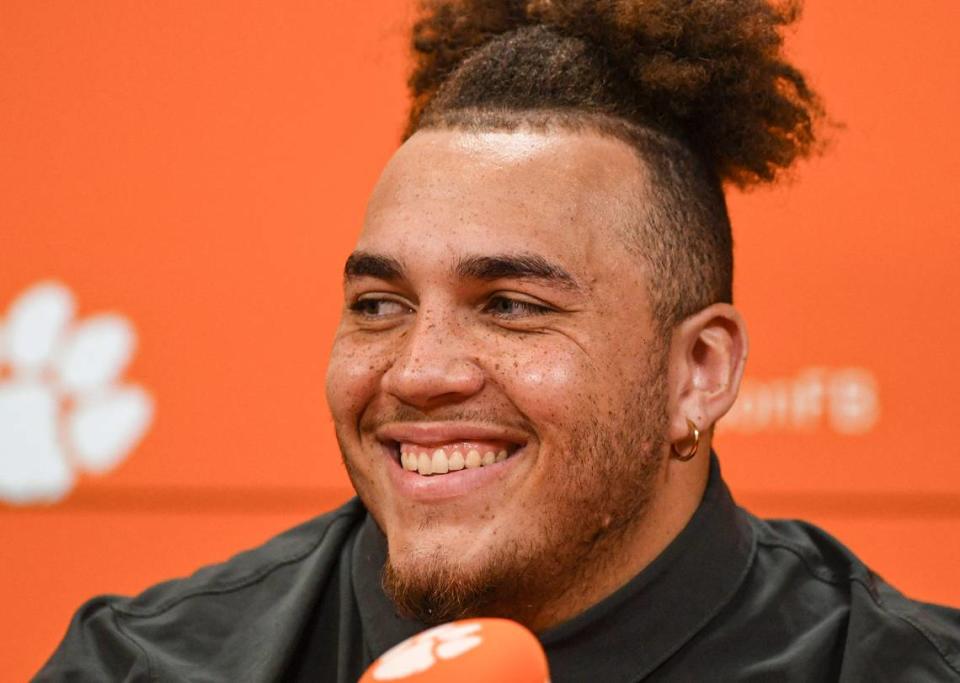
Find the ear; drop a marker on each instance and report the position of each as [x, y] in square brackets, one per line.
[708, 352]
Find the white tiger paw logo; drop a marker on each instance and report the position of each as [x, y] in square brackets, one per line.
[420, 653]
[61, 407]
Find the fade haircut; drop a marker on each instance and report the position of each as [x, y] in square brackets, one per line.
[699, 88]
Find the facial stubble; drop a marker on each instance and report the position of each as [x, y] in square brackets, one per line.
[613, 461]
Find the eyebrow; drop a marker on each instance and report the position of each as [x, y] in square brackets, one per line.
[517, 267]
[521, 266]
[364, 264]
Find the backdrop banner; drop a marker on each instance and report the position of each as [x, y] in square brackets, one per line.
[181, 183]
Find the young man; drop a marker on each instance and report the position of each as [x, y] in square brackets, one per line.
[538, 338]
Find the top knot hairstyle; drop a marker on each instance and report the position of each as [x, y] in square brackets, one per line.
[699, 87]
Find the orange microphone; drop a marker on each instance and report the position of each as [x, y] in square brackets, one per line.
[465, 651]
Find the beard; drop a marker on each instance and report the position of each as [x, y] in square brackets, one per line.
[603, 483]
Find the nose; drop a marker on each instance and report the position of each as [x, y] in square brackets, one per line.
[434, 367]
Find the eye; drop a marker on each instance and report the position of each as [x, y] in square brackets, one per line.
[508, 307]
[378, 308]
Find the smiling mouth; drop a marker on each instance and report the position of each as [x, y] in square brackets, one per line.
[434, 460]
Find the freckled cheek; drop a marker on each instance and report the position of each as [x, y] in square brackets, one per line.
[550, 384]
[353, 376]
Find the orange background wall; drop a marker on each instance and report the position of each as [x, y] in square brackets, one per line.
[202, 168]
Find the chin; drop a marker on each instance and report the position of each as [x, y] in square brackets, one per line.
[449, 574]
[454, 549]
[436, 581]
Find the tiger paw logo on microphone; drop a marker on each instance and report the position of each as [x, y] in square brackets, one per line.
[464, 651]
[422, 652]
[62, 405]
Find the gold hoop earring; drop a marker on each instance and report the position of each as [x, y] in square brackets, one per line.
[695, 436]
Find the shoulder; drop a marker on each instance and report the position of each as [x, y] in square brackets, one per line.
[259, 596]
[884, 633]
[284, 554]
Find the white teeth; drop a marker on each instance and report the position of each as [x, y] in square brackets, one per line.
[424, 464]
[473, 460]
[439, 464]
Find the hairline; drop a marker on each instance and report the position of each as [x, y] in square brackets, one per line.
[643, 234]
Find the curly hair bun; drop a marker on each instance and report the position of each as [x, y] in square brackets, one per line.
[709, 72]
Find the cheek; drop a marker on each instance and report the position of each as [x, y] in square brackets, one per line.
[353, 376]
[562, 383]
[551, 382]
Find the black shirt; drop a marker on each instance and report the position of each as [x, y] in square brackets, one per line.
[732, 598]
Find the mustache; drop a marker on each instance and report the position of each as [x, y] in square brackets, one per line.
[406, 414]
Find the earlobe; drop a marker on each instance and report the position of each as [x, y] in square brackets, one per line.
[709, 352]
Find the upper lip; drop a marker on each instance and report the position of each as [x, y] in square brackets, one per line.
[437, 433]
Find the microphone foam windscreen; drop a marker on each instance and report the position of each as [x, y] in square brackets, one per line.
[470, 650]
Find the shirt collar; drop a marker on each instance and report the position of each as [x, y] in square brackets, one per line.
[632, 631]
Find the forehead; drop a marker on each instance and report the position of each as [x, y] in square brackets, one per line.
[569, 196]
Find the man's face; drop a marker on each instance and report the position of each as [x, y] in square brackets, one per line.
[493, 310]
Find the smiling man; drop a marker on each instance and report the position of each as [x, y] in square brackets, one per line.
[537, 341]
[504, 396]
